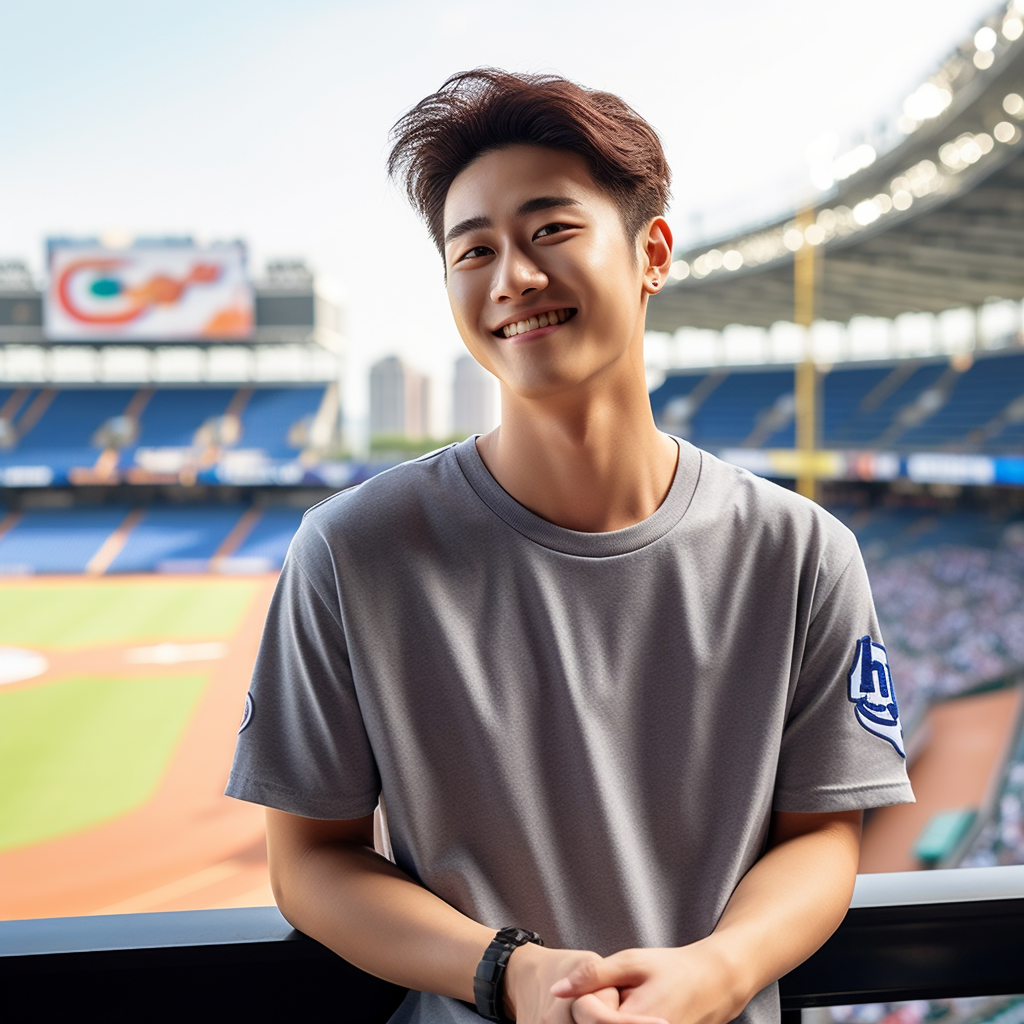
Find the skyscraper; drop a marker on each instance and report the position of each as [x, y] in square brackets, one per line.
[399, 400]
[473, 398]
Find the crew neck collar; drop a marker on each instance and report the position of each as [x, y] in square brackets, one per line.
[578, 542]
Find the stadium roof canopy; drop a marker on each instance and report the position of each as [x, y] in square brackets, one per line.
[937, 222]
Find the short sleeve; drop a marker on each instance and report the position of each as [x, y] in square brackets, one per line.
[302, 746]
[842, 746]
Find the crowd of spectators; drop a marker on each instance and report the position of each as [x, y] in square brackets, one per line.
[969, 1010]
[952, 616]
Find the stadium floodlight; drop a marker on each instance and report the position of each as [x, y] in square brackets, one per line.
[1005, 132]
[732, 260]
[985, 39]
[927, 101]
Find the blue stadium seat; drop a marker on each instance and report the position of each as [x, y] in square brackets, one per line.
[63, 436]
[270, 414]
[980, 393]
[270, 537]
[186, 536]
[730, 412]
[58, 540]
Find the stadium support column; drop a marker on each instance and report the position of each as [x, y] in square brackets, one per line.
[806, 372]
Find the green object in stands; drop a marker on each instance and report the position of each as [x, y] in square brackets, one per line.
[943, 833]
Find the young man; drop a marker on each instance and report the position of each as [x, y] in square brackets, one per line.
[612, 691]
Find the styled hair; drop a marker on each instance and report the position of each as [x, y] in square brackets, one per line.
[476, 112]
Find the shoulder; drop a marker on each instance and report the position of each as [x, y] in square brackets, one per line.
[387, 498]
[775, 521]
[368, 521]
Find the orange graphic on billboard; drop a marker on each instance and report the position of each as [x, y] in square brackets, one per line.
[153, 293]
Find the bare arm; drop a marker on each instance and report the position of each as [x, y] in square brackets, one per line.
[785, 907]
[330, 883]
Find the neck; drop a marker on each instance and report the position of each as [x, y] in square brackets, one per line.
[593, 461]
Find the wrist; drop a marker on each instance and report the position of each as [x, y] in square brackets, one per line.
[732, 971]
[522, 965]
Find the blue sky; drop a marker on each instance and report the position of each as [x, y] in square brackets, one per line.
[269, 122]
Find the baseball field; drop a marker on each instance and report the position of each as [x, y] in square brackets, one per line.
[119, 703]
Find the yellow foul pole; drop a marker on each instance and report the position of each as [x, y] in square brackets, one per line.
[806, 372]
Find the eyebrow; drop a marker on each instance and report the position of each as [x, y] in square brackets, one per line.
[523, 210]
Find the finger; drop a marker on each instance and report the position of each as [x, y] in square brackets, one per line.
[618, 971]
[590, 1009]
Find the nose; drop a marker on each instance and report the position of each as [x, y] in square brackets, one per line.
[515, 275]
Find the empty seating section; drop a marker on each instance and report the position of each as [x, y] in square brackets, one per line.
[57, 540]
[878, 412]
[978, 396]
[158, 539]
[678, 385]
[270, 536]
[172, 416]
[842, 392]
[56, 428]
[186, 537]
[270, 414]
[65, 431]
[729, 414]
[905, 407]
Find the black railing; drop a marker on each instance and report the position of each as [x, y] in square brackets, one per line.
[918, 935]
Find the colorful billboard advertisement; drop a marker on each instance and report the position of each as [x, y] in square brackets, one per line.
[148, 294]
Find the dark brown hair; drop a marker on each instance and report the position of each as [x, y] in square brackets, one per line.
[478, 111]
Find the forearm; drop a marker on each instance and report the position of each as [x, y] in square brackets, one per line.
[368, 911]
[789, 902]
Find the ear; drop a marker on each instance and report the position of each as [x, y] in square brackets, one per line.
[657, 251]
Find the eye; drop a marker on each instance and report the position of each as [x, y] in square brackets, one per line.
[474, 253]
[550, 229]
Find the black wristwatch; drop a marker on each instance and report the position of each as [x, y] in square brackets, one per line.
[488, 988]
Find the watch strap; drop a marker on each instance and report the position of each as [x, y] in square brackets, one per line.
[488, 988]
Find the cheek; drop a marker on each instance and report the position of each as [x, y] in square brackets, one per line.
[457, 302]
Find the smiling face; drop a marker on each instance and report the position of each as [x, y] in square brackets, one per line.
[546, 290]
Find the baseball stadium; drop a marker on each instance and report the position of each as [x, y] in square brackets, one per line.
[167, 416]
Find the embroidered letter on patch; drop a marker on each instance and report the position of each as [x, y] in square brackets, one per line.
[872, 693]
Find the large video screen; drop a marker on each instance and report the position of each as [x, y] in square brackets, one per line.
[151, 293]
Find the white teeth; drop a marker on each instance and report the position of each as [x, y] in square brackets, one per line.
[541, 320]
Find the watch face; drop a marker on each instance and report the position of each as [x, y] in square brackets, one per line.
[518, 936]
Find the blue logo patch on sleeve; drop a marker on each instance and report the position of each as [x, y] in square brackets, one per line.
[247, 712]
[872, 693]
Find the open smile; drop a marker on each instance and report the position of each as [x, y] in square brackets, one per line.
[532, 323]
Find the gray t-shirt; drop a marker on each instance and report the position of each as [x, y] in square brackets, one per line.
[580, 733]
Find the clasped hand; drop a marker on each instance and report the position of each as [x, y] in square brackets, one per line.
[685, 985]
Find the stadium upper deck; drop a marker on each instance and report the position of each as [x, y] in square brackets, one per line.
[934, 223]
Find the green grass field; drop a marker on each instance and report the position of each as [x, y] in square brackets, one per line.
[84, 749]
[92, 613]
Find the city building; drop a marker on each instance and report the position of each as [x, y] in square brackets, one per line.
[474, 394]
[399, 400]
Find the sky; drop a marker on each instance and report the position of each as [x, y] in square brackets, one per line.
[269, 122]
